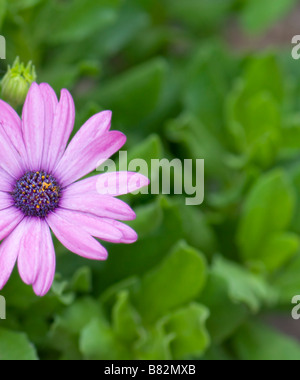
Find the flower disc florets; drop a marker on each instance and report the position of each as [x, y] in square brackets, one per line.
[36, 194]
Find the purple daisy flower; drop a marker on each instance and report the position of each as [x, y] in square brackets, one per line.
[39, 192]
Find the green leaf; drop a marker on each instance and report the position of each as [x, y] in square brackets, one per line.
[218, 353]
[191, 338]
[155, 344]
[141, 225]
[60, 289]
[222, 308]
[137, 259]
[3, 10]
[97, 342]
[130, 23]
[255, 341]
[144, 152]
[260, 15]
[268, 210]
[126, 321]
[197, 231]
[82, 280]
[202, 14]
[18, 5]
[60, 75]
[133, 95]
[15, 346]
[206, 84]
[66, 329]
[148, 149]
[184, 265]
[254, 122]
[254, 112]
[80, 313]
[233, 293]
[290, 137]
[77, 20]
[278, 250]
[264, 74]
[287, 281]
[198, 142]
[244, 286]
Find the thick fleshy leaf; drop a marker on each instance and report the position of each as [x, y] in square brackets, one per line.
[75, 238]
[78, 162]
[46, 272]
[29, 246]
[191, 337]
[62, 127]
[16, 346]
[33, 126]
[51, 102]
[9, 251]
[184, 271]
[256, 341]
[126, 322]
[260, 219]
[100, 205]
[114, 184]
[9, 219]
[134, 94]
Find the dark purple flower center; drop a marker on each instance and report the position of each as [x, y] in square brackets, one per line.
[37, 193]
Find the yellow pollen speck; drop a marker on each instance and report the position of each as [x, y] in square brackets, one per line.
[46, 185]
[37, 206]
[43, 177]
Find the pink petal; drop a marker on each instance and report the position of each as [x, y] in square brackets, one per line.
[9, 219]
[6, 200]
[129, 236]
[7, 182]
[50, 102]
[79, 161]
[30, 254]
[33, 126]
[75, 238]
[114, 184]
[100, 205]
[46, 273]
[9, 251]
[63, 124]
[95, 127]
[13, 127]
[10, 159]
[99, 227]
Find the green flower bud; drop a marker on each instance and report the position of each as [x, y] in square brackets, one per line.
[16, 82]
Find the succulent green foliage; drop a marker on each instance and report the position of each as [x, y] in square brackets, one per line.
[200, 278]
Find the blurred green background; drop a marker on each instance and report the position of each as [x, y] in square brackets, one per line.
[210, 79]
